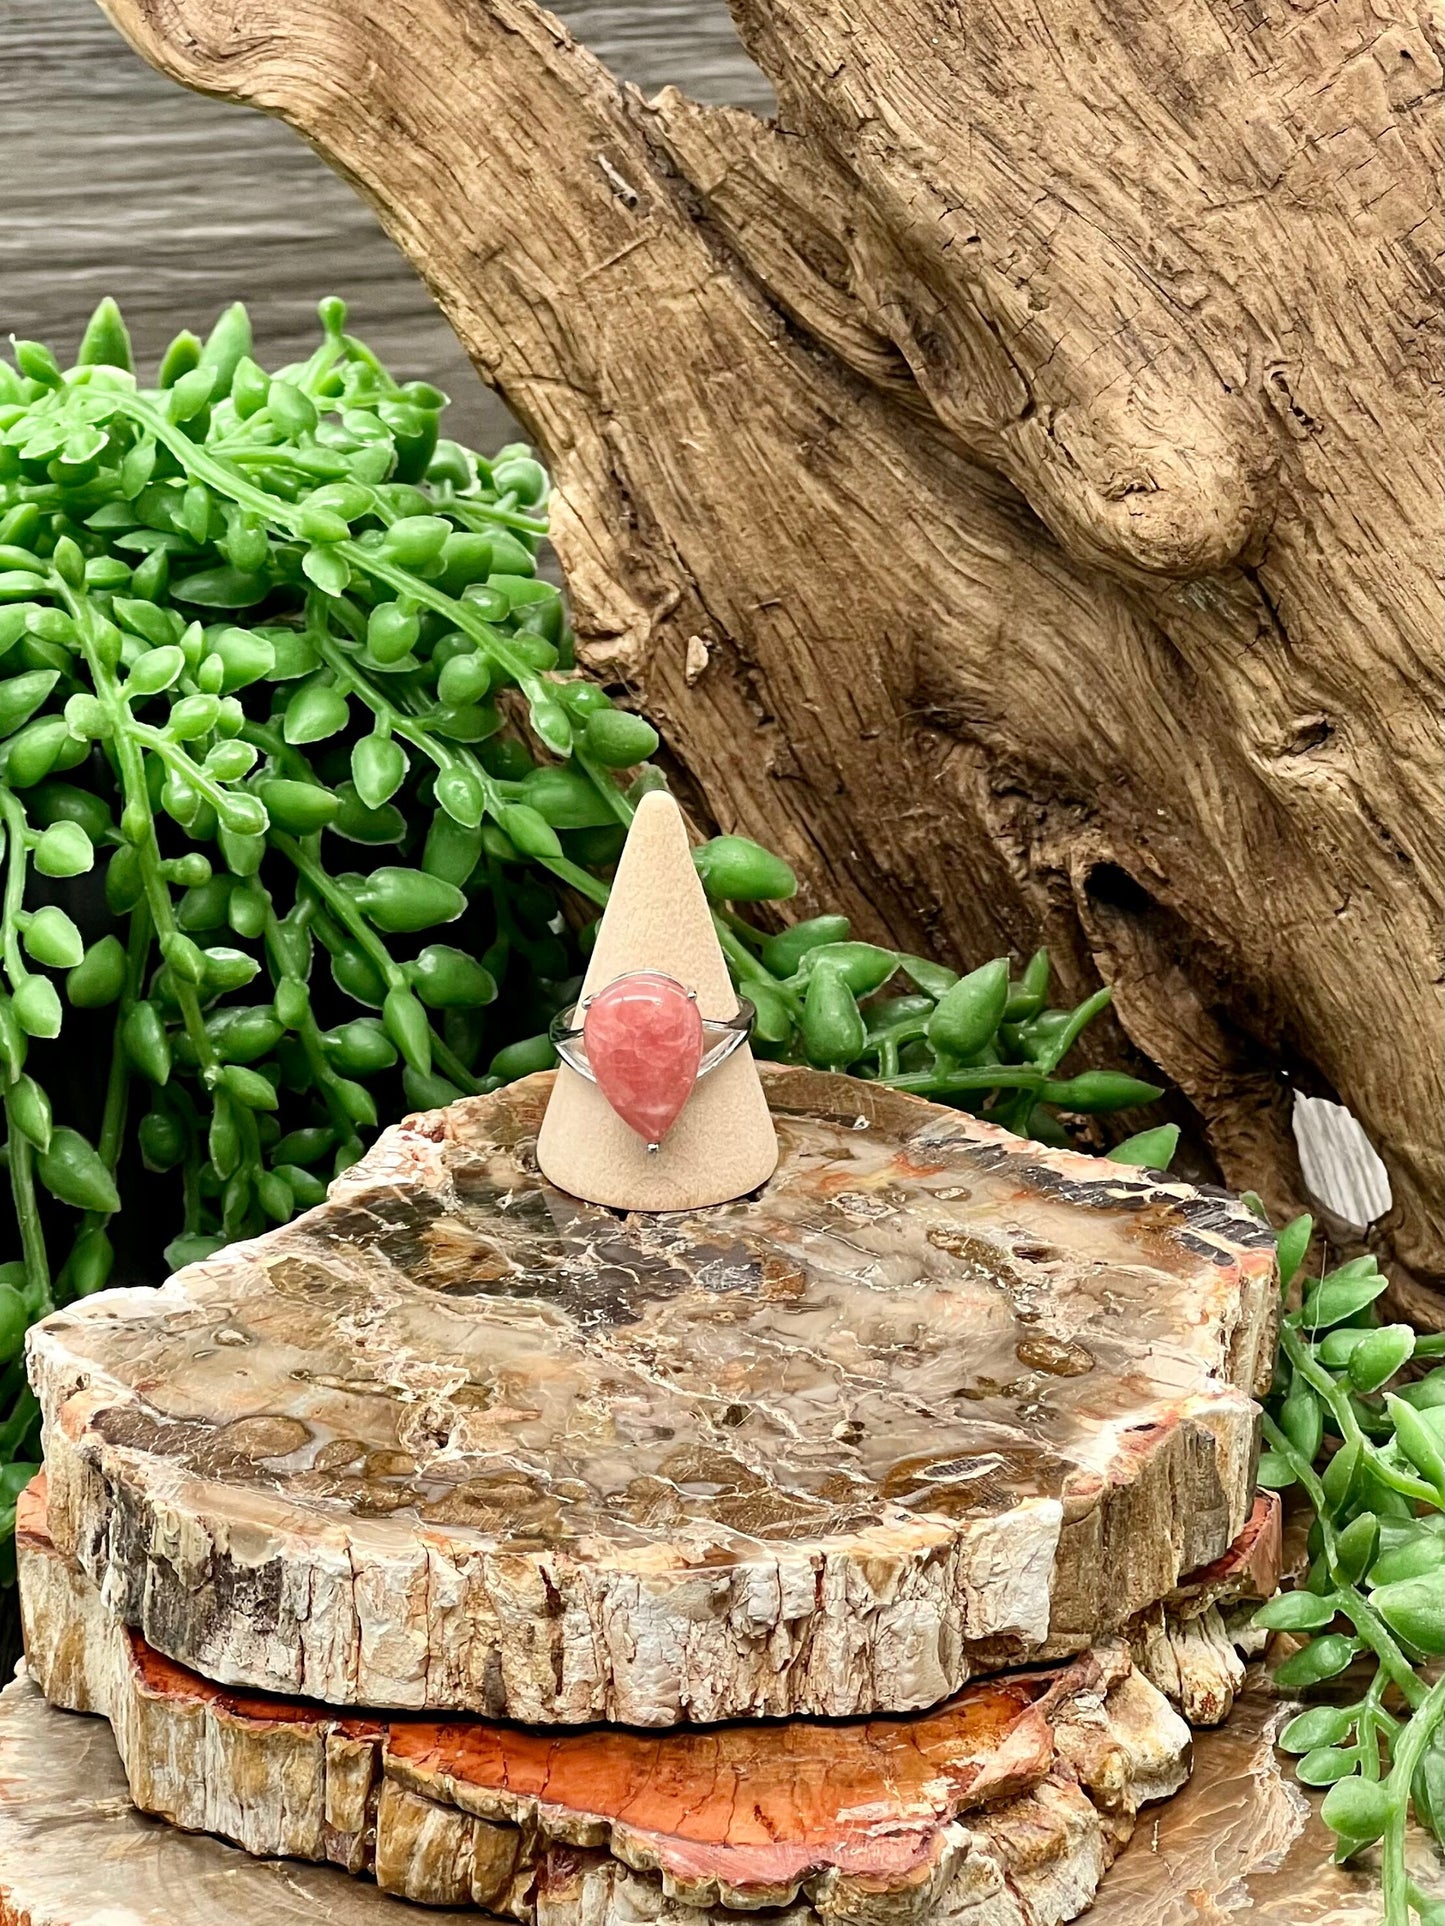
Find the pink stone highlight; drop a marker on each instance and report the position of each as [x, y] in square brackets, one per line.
[643, 1036]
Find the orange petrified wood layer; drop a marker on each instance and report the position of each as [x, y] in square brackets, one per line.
[766, 1805]
[1252, 1567]
[1041, 1770]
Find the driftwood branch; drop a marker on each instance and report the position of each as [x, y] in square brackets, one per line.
[1028, 447]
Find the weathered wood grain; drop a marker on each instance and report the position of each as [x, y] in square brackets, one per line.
[934, 1400]
[889, 1814]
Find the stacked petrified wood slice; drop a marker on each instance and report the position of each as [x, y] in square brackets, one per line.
[421, 1537]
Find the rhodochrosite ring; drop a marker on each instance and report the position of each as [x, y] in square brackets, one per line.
[643, 1041]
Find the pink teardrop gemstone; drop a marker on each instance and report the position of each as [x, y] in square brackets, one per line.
[643, 1036]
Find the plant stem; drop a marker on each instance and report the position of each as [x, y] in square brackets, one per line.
[1370, 1724]
[309, 1033]
[447, 756]
[22, 1152]
[325, 886]
[117, 1088]
[12, 1432]
[989, 1076]
[347, 913]
[602, 782]
[1408, 1755]
[17, 848]
[137, 957]
[286, 516]
[469, 513]
[27, 1216]
[745, 965]
[127, 736]
[1362, 1615]
[1053, 1056]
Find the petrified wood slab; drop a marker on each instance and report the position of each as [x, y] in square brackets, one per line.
[1239, 1842]
[1025, 1784]
[932, 1401]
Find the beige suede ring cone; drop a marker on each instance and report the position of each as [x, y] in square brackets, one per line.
[723, 1145]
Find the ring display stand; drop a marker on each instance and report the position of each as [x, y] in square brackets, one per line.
[722, 1146]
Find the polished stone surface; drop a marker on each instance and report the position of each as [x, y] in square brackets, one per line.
[916, 1317]
[930, 1399]
[643, 1035]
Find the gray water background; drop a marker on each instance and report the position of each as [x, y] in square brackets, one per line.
[114, 180]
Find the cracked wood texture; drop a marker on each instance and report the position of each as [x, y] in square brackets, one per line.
[898, 1815]
[933, 1401]
[1027, 444]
